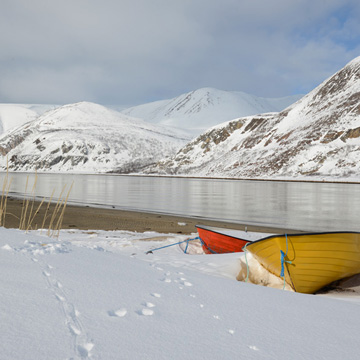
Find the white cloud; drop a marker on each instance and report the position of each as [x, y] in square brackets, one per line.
[132, 51]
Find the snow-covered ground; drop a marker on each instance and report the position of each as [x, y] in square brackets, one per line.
[98, 295]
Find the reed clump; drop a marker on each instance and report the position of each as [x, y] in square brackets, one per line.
[4, 197]
[32, 210]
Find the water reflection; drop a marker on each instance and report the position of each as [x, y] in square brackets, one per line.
[301, 206]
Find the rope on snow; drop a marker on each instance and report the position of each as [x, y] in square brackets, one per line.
[163, 247]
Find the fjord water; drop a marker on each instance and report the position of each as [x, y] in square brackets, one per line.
[305, 206]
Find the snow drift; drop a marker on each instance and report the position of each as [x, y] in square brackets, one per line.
[97, 295]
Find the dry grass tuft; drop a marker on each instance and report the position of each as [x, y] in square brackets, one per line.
[52, 216]
[4, 196]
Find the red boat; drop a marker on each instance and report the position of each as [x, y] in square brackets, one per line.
[219, 240]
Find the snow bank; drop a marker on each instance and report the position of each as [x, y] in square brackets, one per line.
[97, 295]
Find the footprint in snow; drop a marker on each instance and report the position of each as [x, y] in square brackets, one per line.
[155, 295]
[60, 298]
[74, 330]
[149, 304]
[84, 350]
[167, 280]
[118, 313]
[146, 312]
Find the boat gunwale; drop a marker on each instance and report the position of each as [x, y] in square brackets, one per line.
[210, 228]
[304, 234]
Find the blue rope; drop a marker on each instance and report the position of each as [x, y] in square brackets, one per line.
[283, 261]
[187, 244]
[203, 244]
[163, 247]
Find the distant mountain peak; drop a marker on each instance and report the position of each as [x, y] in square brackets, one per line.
[203, 108]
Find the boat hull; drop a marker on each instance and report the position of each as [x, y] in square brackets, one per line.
[219, 240]
[311, 261]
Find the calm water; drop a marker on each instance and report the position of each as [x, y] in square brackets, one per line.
[300, 206]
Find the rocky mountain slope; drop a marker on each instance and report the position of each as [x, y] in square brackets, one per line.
[86, 137]
[201, 109]
[317, 137]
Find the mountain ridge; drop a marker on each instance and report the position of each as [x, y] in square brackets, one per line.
[86, 137]
[316, 137]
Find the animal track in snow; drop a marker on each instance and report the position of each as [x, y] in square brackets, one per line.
[82, 344]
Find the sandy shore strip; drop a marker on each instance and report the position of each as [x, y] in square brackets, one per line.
[94, 218]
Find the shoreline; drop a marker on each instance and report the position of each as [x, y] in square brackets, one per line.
[95, 218]
[319, 180]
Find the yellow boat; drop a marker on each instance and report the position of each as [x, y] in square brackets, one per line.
[309, 261]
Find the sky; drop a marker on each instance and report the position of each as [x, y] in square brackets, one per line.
[130, 52]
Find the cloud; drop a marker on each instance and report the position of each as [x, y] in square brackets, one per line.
[129, 52]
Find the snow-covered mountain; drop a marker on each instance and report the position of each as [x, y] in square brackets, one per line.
[86, 137]
[13, 115]
[201, 109]
[319, 136]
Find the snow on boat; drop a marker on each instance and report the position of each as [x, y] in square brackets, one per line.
[219, 240]
[309, 261]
